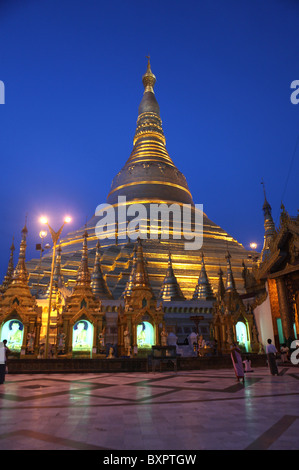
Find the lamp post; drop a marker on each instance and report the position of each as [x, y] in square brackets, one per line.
[40, 247]
[55, 237]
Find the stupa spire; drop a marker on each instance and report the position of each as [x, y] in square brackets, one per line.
[128, 289]
[149, 173]
[98, 283]
[230, 282]
[221, 288]
[203, 289]
[170, 289]
[20, 275]
[268, 225]
[83, 275]
[10, 269]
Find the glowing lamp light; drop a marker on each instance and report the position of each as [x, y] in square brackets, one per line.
[253, 246]
[67, 219]
[43, 233]
[44, 220]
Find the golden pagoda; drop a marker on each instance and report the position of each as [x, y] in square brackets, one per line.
[181, 287]
[149, 176]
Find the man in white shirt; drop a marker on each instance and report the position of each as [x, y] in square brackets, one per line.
[271, 352]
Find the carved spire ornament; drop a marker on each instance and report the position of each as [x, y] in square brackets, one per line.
[83, 274]
[269, 226]
[221, 288]
[128, 290]
[170, 289]
[98, 282]
[230, 282]
[20, 275]
[10, 269]
[203, 289]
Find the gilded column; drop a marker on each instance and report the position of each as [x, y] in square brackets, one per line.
[285, 313]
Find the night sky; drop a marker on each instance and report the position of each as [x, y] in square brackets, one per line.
[72, 71]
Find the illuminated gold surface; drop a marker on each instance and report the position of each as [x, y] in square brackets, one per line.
[136, 183]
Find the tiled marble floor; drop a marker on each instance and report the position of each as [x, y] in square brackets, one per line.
[154, 411]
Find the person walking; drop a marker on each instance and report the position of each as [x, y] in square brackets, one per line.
[237, 362]
[271, 352]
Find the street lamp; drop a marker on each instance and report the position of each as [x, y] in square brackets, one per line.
[253, 246]
[55, 237]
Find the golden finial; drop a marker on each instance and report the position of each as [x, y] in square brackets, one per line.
[12, 248]
[148, 78]
[25, 230]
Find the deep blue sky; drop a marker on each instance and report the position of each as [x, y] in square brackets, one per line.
[72, 71]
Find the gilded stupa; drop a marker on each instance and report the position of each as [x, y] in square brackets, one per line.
[148, 176]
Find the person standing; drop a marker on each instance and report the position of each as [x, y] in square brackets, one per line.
[237, 362]
[271, 352]
[2, 362]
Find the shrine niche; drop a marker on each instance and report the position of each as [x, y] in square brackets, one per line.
[20, 316]
[81, 323]
[140, 321]
[13, 331]
[233, 322]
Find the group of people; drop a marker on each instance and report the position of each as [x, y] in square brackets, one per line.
[243, 366]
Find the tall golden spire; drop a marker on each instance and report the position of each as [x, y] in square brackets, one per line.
[268, 224]
[10, 269]
[230, 282]
[20, 275]
[149, 173]
[83, 275]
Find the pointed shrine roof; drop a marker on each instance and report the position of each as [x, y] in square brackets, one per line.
[203, 289]
[170, 289]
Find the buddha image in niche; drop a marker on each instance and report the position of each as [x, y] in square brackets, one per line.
[145, 335]
[15, 334]
[81, 335]
[141, 334]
